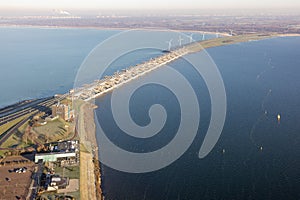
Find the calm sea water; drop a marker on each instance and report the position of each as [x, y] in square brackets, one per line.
[40, 62]
[261, 80]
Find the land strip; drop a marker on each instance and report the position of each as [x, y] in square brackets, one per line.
[90, 177]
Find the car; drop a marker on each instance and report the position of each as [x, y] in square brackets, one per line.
[20, 170]
[16, 170]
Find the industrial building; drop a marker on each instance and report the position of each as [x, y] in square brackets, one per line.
[59, 151]
[53, 183]
[63, 111]
[53, 157]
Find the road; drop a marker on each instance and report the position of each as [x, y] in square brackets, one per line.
[21, 106]
[42, 105]
[12, 130]
[31, 109]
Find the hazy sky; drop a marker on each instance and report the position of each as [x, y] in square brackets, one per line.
[148, 4]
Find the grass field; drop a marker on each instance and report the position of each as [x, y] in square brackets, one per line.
[71, 172]
[53, 131]
[15, 140]
[199, 46]
[53, 195]
[6, 126]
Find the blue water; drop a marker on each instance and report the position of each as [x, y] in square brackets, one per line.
[40, 62]
[261, 80]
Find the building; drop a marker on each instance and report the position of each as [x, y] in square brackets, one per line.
[53, 157]
[53, 183]
[59, 151]
[63, 111]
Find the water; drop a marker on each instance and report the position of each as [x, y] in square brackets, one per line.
[261, 80]
[40, 62]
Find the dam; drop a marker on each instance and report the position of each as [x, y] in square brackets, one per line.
[109, 83]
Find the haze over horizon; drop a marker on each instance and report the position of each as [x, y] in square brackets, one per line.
[147, 5]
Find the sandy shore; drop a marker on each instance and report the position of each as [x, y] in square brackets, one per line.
[289, 35]
[90, 172]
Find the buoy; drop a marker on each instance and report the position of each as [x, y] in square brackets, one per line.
[278, 118]
[223, 151]
[261, 148]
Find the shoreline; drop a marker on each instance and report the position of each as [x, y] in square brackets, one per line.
[289, 35]
[99, 87]
[99, 95]
[13, 103]
[225, 34]
[110, 28]
[87, 120]
[90, 168]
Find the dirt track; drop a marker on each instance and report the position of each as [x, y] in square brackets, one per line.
[86, 130]
[87, 177]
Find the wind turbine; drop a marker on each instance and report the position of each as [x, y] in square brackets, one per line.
[203, 36]
[191, 38]
[180, 40]
[170, 44]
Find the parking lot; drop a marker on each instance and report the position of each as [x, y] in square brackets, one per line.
[15, 178]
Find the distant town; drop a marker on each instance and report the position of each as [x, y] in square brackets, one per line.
[220, 22]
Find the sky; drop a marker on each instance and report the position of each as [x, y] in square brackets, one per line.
[147, 4]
